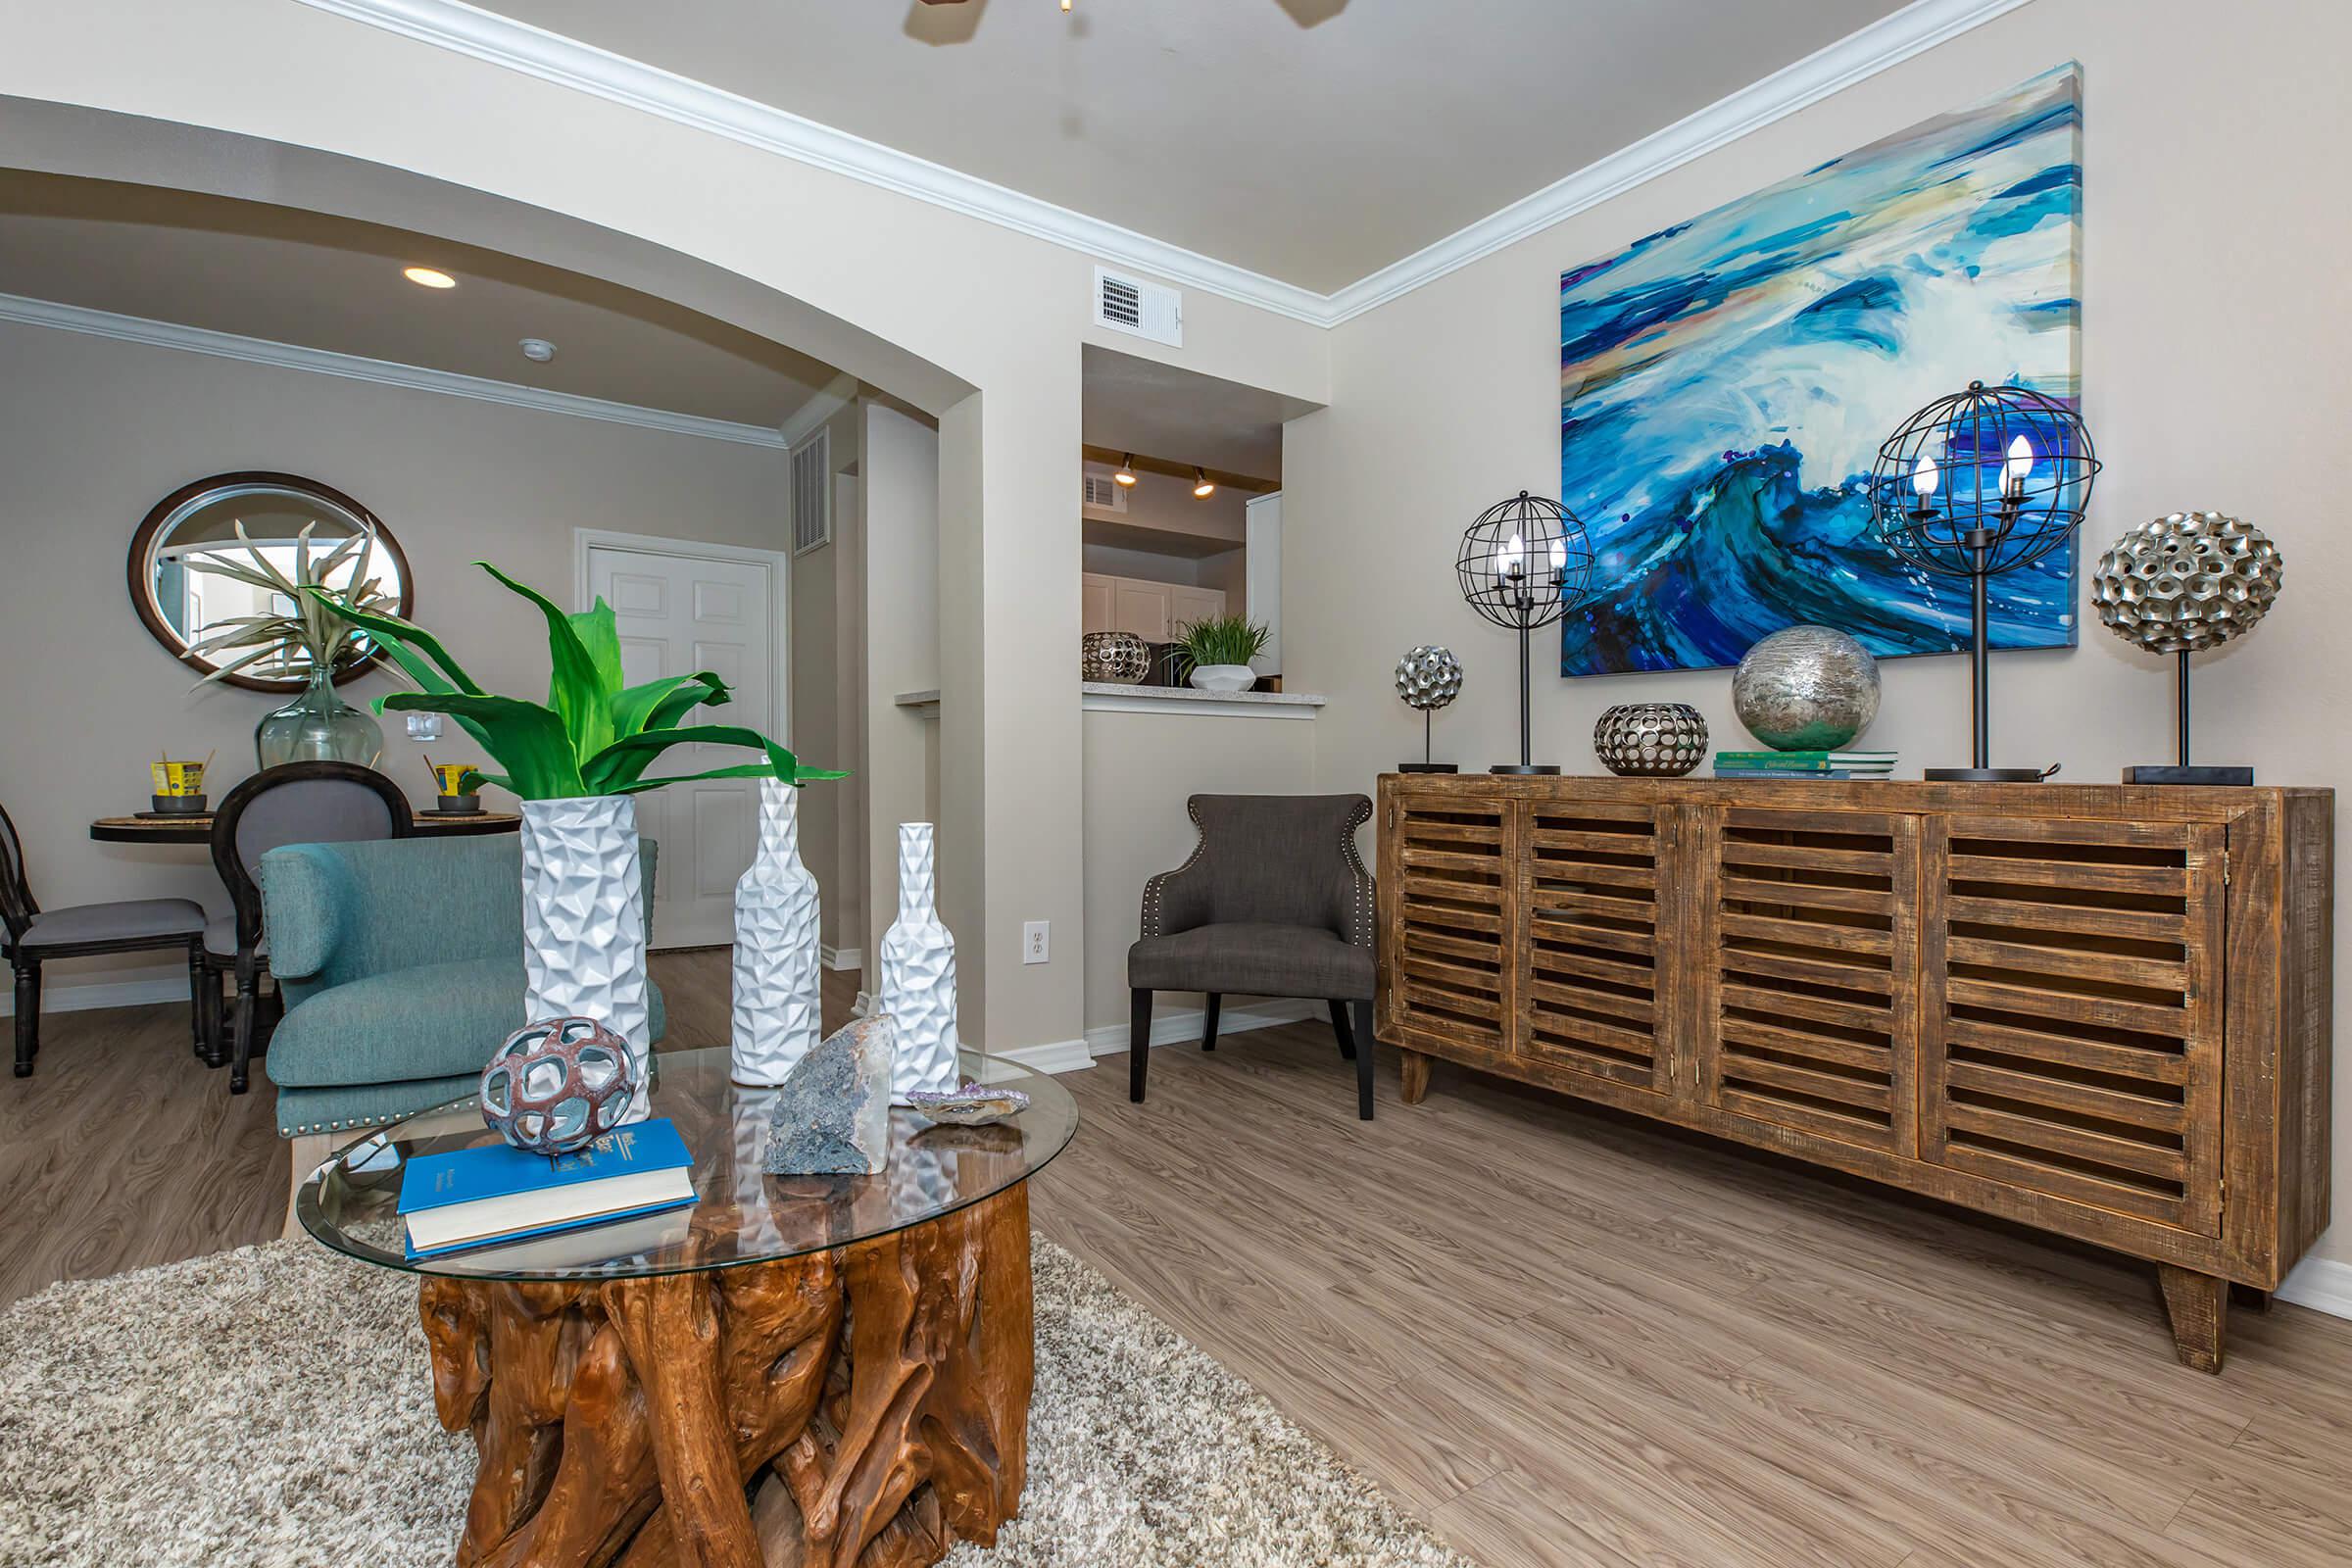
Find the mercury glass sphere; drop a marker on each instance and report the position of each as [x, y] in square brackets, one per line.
[2186, 581]
[1807, 688]
[1429, 677]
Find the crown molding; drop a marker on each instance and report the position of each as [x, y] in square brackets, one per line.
[1856, 57]
[382, 372]
[584, 68]
[566, 61]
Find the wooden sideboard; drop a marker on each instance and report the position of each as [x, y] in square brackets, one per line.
[2100, 1010]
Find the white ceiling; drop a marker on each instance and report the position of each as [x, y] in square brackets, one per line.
[1313, 141]
[285, 275]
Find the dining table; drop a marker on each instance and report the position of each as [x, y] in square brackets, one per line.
[196, 827]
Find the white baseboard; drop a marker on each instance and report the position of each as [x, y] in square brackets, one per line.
[145, 988]
[1053, 1055]
[1183, 1026]
[842, 958]
[2321, 1284]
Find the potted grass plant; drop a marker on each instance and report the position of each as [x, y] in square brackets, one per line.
[577, 761]
[1220, 649]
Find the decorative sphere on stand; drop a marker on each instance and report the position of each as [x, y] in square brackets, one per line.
[558, 1085]
[1429, 677]
[1807, 688]
[2187, 581]
[1650, 740]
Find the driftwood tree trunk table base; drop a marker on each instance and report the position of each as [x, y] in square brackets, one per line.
[863, 1407]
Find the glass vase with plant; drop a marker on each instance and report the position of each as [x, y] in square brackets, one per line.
[302, 641]
[1219, 649]
[577, 761]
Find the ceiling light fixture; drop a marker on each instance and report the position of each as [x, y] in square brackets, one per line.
[1125, 473]
[1201, 488]
[428, 277]
[537, 350]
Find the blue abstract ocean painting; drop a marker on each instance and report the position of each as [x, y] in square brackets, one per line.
[1725, 385]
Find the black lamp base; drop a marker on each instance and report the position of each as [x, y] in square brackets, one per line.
[2173, 773]
[1427, 768]
[1987, 775]
[1523, 768]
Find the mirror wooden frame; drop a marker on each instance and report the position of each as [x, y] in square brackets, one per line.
[142, 573]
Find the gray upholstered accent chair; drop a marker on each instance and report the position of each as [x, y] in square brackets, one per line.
[1274, 903]
[85, 931]
[298, 803]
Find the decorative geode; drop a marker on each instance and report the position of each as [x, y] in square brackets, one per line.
[1650, 740]
[557, 1086]
[1429, 677]
[975, 1105]
[1807, 688]
[1119, 657]
[2187, 581]
[832, 1111]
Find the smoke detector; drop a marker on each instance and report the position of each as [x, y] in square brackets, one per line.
[538, 350]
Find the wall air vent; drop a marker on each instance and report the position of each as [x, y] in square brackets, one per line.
[1099, 490]
[1127, 304]
[812, 493]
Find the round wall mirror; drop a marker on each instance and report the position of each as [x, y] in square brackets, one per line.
[194, 529]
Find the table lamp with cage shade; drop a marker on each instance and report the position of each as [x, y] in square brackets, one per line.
[1524, 563]
[1975, 485]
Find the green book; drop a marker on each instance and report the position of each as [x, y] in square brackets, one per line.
[1724, 764]
[1794, 758]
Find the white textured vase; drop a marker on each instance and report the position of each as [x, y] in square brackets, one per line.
[918, 974]
[777, 1001]
[583, 920]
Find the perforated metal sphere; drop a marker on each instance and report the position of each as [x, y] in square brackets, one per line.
[1650, 740]
[1429, 677]
[558, 1085]
[2190, 580]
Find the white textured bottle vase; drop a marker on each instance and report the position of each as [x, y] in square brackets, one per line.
[918, 974]
[777, 1000]
[583, 920]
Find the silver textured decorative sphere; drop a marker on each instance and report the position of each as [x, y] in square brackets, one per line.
[1429, 677]
[1808, 688]
[2187, 581]
[1120, 657]
[1650, 740]
[558, 1085]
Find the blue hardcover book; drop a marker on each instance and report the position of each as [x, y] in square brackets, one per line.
[476, 1197]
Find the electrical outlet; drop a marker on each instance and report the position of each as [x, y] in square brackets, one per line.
[1034, 946]
[424, 726]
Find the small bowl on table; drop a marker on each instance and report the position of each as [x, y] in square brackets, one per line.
[458, 805]
[179, 805]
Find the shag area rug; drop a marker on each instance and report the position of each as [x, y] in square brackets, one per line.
[272, 1407]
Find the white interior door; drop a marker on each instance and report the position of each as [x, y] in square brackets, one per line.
[679, 614]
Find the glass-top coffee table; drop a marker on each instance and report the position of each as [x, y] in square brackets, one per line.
[793, 1369]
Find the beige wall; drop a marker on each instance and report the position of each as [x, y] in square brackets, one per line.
[93, 432]
[1139, 771]
[2214, 347]
[828, 640]
[902, 614]
[873, 300]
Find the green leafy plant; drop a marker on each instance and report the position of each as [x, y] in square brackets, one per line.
[305, 637]
[594, 735]
[1222, 640]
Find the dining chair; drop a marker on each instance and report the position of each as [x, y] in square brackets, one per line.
[296, 802]
[1275, 901]
[85, 931]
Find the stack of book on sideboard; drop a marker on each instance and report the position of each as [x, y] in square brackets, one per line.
[1804, 765]
[494, 1194]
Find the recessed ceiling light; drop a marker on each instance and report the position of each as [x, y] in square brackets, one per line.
[428, 277]
[538, 350]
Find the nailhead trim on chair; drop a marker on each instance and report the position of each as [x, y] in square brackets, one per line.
[1151, 889]
[1361, 935]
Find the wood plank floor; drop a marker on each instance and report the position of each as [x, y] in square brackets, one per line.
[1560, 1336]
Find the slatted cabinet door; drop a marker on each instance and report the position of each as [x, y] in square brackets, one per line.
[1444, 945]
[1808, 971]
[2070, 980]
[1600, 913]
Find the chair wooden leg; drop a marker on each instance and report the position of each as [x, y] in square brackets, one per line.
[1363, 1059]
[29, 1014]
[1139, 1045]
[305, 1153]
[196, 996]
[215, 1019]
[1341, 1031]
[1209, 1023]
[241, 1059]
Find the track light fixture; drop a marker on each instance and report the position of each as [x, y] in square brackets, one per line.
[1124, 474]
[1201, 488]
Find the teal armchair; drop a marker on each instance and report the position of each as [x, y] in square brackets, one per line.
[400, 965]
